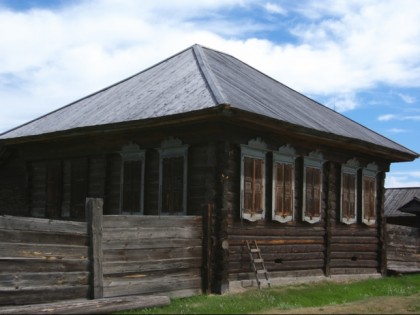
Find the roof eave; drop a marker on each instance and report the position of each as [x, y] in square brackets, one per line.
[335, 140]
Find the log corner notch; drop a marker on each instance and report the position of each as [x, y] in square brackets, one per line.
[94, 212]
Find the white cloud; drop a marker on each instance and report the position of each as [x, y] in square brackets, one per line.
[275, 8]
[387, 117]
[403, 179]
[397, 130]
[407, 98]
[49, 58]
[342, 103]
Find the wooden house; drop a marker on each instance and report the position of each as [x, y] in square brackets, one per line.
[199, 128]
[402, 206]
[402, 215]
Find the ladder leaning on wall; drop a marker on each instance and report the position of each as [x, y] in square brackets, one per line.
[257, 263]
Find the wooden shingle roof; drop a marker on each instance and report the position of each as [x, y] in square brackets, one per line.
[197, 79]
[395, 198]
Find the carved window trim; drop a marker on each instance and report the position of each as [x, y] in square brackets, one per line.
[312, 166]
[284, 158]
[255, 150]
[173, 148]
[129, 154]
[348, 183]
[369, 193]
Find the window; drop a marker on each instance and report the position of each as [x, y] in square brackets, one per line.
[369, 194]
[312, 187]
[173, 177]
[253, 180]
[132, 179]
[348, 210]
[283, 184]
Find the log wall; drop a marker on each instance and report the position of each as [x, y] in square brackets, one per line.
[42, 260]
[297, 249]
[403, 244]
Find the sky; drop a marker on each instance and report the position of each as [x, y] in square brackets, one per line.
[358, 57]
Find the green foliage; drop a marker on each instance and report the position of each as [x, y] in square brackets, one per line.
[288, 297]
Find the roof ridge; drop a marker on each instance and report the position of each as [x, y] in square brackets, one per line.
[208, 75]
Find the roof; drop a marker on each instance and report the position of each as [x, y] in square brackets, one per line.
[397, 198]
[196, 79]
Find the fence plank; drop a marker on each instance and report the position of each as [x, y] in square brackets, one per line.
[94, 210]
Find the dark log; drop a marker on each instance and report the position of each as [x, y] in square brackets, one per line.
[148, 232]
[19, 236]
[354, 247]
[124, 267]
[99, 306]
[12, 265]
[276, 241]
[43, 279]
[42, 294]
[149, 243]
[159, 285]
[123, 221]
[354, 240]
[151, 254]
[43, 251]
[42, 225]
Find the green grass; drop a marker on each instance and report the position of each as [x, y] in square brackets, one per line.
[288, 297]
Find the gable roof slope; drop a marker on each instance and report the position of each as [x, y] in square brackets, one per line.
[198, 78]
[395, 198]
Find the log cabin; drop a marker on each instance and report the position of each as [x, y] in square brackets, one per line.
[402, 206]
[204, 128]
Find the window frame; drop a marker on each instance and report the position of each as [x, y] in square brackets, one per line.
[255, 149]
[350, 168]
[314, 160]
[370, 171]
[172, 148]
[129, 153]
[286, 155]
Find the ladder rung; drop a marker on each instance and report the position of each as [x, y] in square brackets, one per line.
[258, 260]
[262, 271]
[255, 250]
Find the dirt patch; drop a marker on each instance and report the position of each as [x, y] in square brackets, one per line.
[380, 305]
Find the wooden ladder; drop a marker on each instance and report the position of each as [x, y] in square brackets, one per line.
[257, 262]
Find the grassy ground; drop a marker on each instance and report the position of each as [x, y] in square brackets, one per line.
[319, 298]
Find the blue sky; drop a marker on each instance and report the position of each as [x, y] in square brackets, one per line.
[359, 57]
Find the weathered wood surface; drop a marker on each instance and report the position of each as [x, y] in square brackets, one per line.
[94, 214]
[42, 260]
[42, 225]
[99, 306]
[152, 254]
[285, 249]
[403, 248]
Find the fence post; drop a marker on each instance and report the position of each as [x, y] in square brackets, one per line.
[207, 247]
[94, 210]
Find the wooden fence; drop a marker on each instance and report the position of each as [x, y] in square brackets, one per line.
[42, 260]
[403, 248]
[45, 260]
